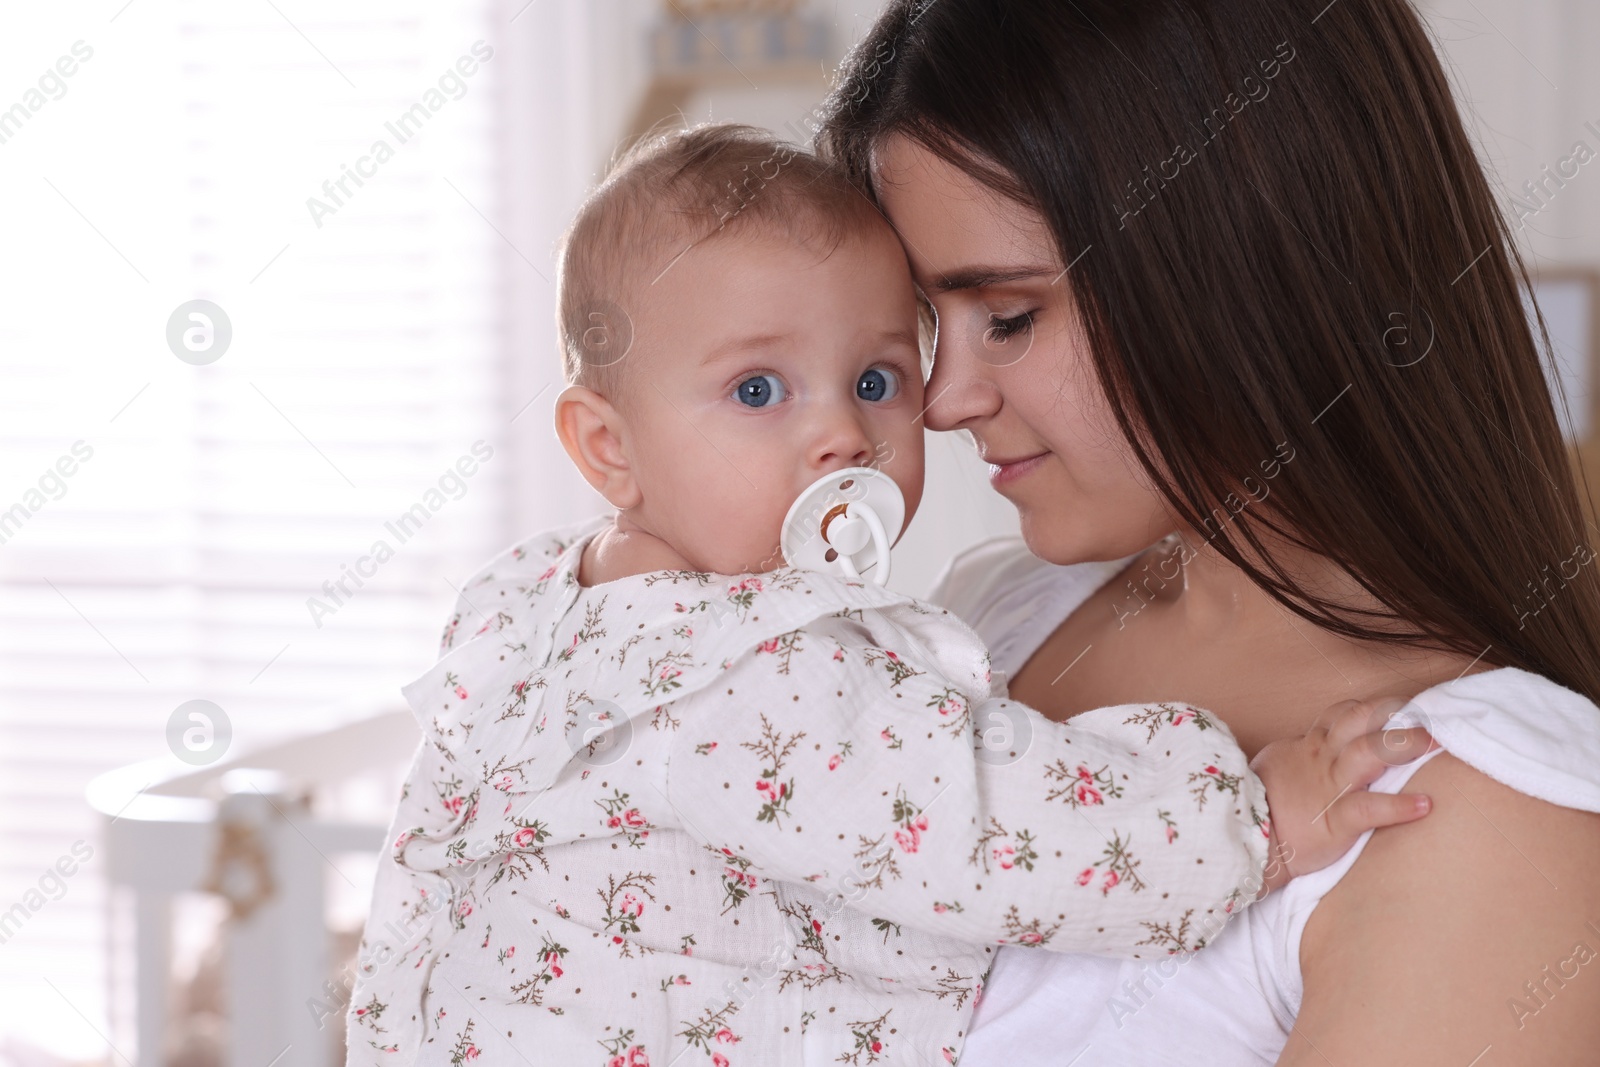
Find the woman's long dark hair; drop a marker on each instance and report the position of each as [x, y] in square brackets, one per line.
[1280, 233]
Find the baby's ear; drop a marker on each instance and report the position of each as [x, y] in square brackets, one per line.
[593, 433]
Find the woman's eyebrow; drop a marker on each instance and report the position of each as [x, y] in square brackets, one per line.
[978, 277]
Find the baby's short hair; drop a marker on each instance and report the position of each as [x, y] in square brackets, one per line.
[664, 194]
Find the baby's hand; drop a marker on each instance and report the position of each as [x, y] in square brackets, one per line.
[1317, 786]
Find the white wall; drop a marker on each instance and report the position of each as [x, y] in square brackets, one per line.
[1527, 80]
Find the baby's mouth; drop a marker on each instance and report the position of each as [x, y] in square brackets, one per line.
[845, 523]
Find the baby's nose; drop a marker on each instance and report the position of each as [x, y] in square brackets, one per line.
[841, 442]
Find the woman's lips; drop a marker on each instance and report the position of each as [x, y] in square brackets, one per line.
[1004, 472]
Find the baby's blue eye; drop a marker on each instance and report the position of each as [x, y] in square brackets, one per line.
[876, 385]
[760, 391]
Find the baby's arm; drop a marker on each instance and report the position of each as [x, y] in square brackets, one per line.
[1127, 831]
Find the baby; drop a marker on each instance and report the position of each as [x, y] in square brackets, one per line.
[675, 795]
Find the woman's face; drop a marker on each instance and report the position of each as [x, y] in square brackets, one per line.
[1011, 363]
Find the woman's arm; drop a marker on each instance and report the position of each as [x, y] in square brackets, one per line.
[1472, 937]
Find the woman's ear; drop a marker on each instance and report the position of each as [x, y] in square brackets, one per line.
[593, 433]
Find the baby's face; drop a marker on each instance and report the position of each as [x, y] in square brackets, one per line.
[758, 366]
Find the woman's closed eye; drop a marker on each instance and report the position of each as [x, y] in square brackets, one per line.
[760, 391]
[877, 385]
[1001, 328]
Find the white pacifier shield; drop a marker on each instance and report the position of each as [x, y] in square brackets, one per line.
[846, 504]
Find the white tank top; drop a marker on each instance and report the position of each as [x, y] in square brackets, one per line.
[1234, 1002]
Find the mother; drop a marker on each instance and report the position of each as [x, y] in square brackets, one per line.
[1223, 297]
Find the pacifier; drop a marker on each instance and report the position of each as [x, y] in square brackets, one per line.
[847, 520]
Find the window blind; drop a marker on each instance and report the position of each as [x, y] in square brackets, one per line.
[327, 176]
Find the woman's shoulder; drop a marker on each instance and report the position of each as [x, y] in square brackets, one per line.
[1506, 860]
[1520, 729]
[1493, 886]
[1533, 739]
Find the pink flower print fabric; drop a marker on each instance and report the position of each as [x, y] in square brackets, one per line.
[747, 820]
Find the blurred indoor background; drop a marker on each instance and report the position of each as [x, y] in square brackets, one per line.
[181, 497]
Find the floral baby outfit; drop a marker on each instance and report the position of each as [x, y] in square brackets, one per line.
[759, 820]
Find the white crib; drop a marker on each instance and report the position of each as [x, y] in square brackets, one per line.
[165, 829]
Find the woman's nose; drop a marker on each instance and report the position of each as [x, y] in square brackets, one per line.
[959, 391]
